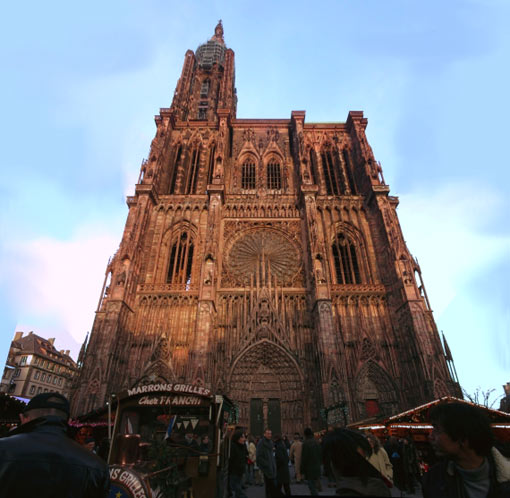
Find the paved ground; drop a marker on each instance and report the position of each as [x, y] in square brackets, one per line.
[302, 490]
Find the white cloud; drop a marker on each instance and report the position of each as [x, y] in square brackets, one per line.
[58, 282]
[445, 230]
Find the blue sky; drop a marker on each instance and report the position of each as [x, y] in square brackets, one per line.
[82, 82]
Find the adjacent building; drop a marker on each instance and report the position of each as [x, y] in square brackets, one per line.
[34, 366]
[264, 259]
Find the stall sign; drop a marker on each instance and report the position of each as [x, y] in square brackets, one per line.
[125, 483]
[174, 388]
[166, 400]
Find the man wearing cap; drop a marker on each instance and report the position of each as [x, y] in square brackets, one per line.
[38, 459]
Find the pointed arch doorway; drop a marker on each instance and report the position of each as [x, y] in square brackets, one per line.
[267, 384]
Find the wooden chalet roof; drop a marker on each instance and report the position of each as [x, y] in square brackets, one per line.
[421, 414]
[419, 417]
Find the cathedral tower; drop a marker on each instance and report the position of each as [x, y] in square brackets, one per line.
[263, 259]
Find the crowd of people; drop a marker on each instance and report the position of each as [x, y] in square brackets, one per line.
[469, 462]
[39, 459]
[267, 461]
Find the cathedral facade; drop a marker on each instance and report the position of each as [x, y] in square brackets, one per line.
[263, 258]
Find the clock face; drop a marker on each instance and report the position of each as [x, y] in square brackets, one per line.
[265, 249]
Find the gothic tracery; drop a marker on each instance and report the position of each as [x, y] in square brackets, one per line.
[263, 259]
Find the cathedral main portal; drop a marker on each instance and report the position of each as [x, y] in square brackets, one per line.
[267, 384]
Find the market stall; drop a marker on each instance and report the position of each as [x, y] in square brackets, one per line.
[416, 422]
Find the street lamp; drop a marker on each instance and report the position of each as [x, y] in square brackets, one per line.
[109, 405]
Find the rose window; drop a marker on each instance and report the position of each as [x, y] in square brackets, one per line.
[267, 251]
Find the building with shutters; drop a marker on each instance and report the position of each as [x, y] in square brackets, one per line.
[35, 366]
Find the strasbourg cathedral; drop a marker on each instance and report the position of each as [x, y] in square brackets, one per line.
[263, 259]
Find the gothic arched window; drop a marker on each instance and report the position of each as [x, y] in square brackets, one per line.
[181, 259]
[204, 89]
[313, 166]
[192, 171]
[202, 110]
[211, 164]
[346, 262]
[274, 178]
[348, 169]
[173, 174]
[248, 179]
[333, 177]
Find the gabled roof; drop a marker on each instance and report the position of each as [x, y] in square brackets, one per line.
[421, 414]
[36, 345]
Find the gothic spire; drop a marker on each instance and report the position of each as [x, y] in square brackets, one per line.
[218, 33]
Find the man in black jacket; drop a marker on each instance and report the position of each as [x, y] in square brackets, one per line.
[38, 458]
[237, 464]
[472, 468]
[267, 463]
[311, 459]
